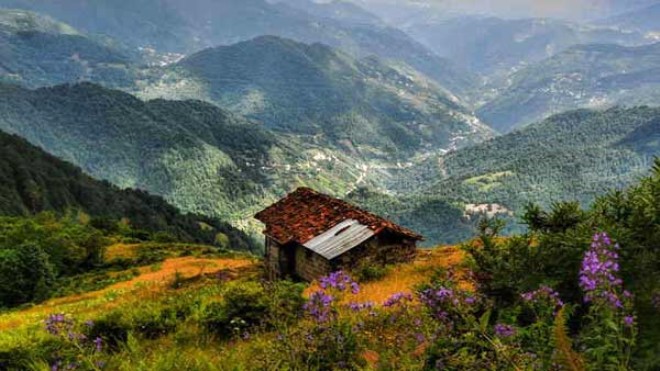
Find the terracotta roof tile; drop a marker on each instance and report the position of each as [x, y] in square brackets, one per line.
[305, 213]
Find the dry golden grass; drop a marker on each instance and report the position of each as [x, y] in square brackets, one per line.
[121, 251]
[404, 277]
[148, 285]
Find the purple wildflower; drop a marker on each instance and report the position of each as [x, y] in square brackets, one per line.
[98, 344]
[655, 300]
[504, 331]
[544, 293]
[57, 324]
[319, 306]
[598, 274]
[629, 320]
[397, 299]
[356, 307]
[339, 281]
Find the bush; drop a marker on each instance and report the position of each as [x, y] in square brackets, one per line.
[246, 305]
[367, 272]
[113, 328]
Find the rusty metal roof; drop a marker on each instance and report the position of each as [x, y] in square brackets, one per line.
[340, 239]
[305, 214]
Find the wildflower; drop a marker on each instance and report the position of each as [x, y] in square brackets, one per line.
[545, 293]
[629, 320]
[98, 344]
[339, 281]
[397, 298]
[655, 300]
[356, 307]
[420, 338]
[319, 306]
[504, 331]
[598, 274]
[57, 324]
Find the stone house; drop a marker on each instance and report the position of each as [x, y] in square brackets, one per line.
[309, 234]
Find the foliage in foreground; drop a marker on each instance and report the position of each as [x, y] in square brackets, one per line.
[579, 292]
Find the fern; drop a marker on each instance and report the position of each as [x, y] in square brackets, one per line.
[564, 353]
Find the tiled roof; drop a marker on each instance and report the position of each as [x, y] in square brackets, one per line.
[305, 214]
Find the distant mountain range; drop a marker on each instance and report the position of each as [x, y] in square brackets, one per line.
[32, 181]
[174, 26]
[493, 47]
[597, 76]
[364, 106]
[36, 50]
[221, 107]
[640, 20]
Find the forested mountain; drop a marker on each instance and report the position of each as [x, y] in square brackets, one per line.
[37, 51]
[576, 155]
[199, 157]
[496, 47]
[599, 75]
[365, 106]
[641, 20]
[189, 26]
[32, 181]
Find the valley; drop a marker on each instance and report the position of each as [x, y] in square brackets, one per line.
[477, 185]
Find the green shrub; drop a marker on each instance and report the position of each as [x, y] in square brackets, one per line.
[368, 272]
[247, 305]
[112, 328]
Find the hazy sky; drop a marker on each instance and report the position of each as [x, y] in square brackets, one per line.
[515, 8]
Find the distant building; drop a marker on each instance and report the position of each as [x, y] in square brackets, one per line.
[309, 234]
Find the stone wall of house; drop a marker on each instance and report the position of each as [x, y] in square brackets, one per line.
[272, 259]
[310, 265]
[381, 250]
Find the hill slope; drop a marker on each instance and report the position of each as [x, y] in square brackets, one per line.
[643, 20]
[495, 47]
[32, 181]
[187, 27]
[591, 76]
[37, 51]
[577, 155]
[199, 157]
[365, 105]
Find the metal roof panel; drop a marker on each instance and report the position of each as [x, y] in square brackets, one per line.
[340, 239]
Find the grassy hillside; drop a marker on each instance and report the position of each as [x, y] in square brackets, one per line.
[32, 181]
[589, 76]
[38, 51]
[494, 303]
[365, 106]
